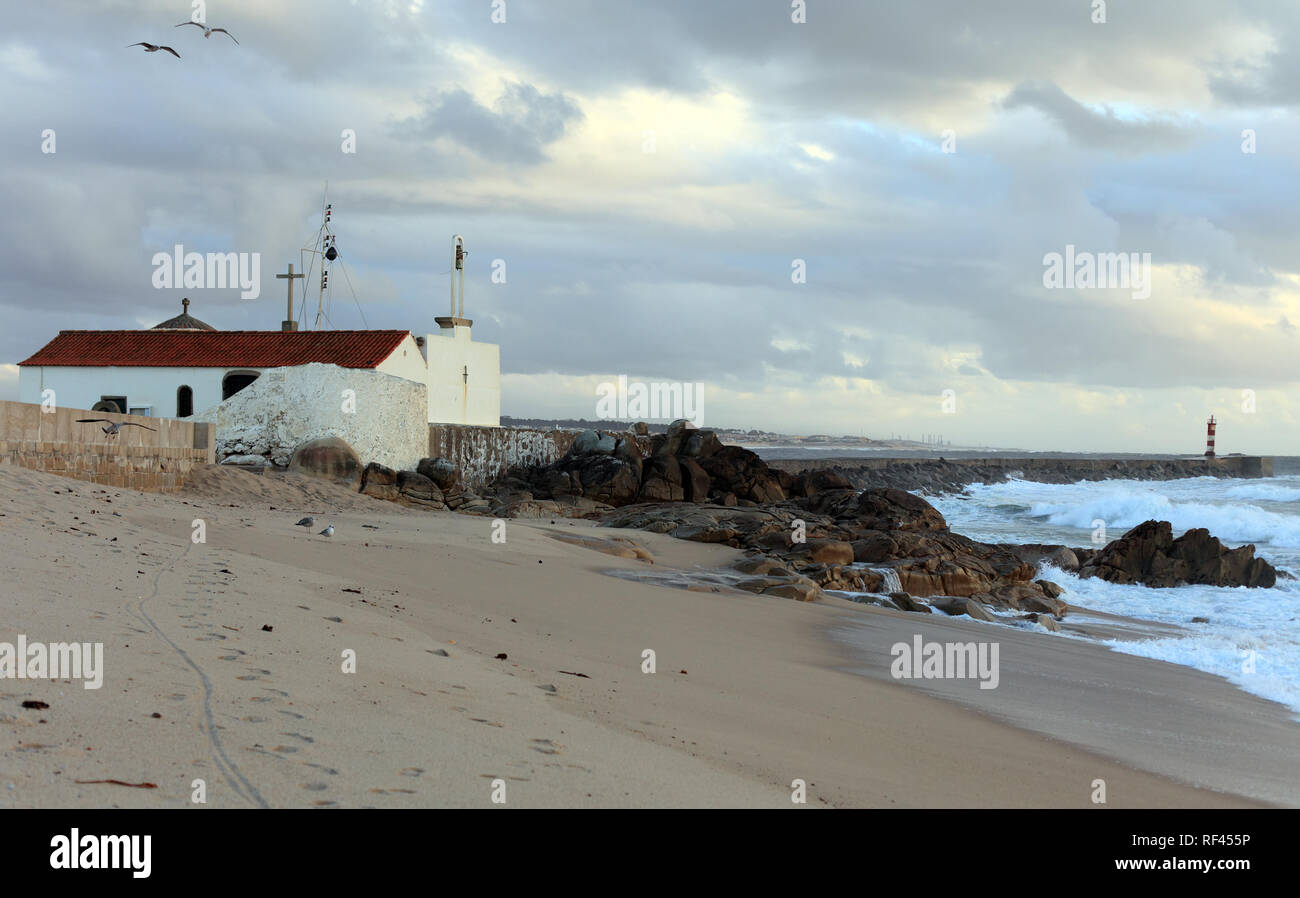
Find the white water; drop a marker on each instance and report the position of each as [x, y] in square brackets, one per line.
[1266, 512]
[891, 583]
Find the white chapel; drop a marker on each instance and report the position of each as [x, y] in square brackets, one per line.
[183, 365]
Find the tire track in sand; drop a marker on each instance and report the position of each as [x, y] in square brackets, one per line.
[229, 769]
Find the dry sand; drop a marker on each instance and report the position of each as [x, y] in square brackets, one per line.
[750, 693]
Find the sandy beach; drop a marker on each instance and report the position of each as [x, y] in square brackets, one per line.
[224, 663]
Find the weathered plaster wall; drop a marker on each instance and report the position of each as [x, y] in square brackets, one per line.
[287, 407]
[485, 453]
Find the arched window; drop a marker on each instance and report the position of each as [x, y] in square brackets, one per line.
[184, 402]
[235, 381]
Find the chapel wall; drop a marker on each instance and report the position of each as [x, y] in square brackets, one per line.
[382, 417]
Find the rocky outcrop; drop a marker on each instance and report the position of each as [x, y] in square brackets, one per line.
[843, 531]
[684, 464]
[806, 534]
[435, 486]
[1149, 554]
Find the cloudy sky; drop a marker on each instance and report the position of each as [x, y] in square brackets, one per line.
[653, 174]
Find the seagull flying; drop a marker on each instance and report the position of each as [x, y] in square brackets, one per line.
[207, 32]
[112, 427]
[154, 48]
[328, 531]
[305, 522]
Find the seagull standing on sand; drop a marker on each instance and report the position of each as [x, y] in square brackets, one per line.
[153, 48]
[207, 32]
[305, 522]
[112, 427]
[328, 531]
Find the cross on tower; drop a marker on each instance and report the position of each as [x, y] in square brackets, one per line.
[289, 324]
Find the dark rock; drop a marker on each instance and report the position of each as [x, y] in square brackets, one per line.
[593, 442]
[604, 478]
[810, 483]
[413, 485]
[1050, 589]
[890, 509]
[1046, 620]
[1065, 559]
[441, 471]
[1149, 554]
[379, 481]
[661, 480]
[904, 602]
[695, 482]
[735, 470]
[874, 547]
[823, 551]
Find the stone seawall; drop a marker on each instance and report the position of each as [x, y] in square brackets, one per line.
[147, 468]
[156, 456]
[485, 453]
[939, 475]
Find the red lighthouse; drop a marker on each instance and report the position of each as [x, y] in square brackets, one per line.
[1209, 437]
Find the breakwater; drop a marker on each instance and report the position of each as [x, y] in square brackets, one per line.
[943, 475]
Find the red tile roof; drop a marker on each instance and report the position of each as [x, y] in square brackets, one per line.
[217, 349]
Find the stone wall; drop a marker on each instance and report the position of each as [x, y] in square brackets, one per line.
[51, 440]
[383, 418]
[135, 467]
[485, 453]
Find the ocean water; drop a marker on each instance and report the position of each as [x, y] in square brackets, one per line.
[1247, 627]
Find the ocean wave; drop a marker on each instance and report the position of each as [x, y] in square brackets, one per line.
[1263, 492]
[1243, 625]
[1124, 509]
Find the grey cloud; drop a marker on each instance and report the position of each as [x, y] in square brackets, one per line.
[1093, 128]
[521, 122]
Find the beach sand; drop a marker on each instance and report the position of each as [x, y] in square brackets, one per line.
[750, 693]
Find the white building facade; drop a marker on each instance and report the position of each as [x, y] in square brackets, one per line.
[184, 366]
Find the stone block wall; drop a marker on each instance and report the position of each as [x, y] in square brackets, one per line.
[49, 439]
